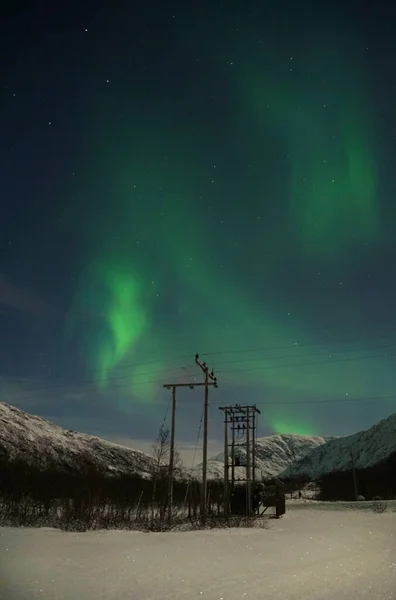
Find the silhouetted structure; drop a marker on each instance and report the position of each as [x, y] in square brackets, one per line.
[245, 495]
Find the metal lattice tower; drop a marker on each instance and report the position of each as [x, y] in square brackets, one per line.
[240, 426]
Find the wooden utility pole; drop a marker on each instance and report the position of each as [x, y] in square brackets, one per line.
[248, 465]
[172, 455]
[225, 489]
[173, 386]
[208, 376]
[254, 447]
[232, 451]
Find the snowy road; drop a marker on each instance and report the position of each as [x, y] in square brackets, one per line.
[309, 554]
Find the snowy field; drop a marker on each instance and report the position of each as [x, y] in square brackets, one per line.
[308, 554]
[367, 506]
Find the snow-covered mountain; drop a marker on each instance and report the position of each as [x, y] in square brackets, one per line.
[274, 453]
[43, 443]
[363, 449]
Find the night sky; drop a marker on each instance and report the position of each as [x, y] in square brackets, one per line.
[198, 177]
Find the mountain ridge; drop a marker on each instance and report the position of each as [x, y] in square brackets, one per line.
[38, 441]
[361, 450]
[273, 454]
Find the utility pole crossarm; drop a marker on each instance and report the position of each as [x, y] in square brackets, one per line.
[205, 369]
[169, 386]
[173, 386]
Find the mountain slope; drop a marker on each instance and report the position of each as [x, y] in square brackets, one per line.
[274, 453]
[365, 449]
[44, 443]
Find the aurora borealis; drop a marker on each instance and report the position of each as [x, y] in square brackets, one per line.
[321, 119]
[208, 180]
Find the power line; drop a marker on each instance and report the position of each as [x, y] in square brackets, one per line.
[89, 381]
[295, 345]
[166, 412]
[198, 436]
[75, 386]
[263, 349]
[272, 403]
[130, 376]
[341, 350]
[143, 364]
[307, 364]
[328, 401]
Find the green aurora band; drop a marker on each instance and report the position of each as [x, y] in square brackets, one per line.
[323, 127]
[147, 229]
[292, 426]
[125, 317]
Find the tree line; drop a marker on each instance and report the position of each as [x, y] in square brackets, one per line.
[378, 481]
[36, 492]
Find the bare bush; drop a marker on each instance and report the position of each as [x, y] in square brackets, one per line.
[233, 521]
[39, 493]
[379, 507]
[160, 474]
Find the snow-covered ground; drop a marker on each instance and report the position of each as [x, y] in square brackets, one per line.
[310, 504]
[339, 554]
